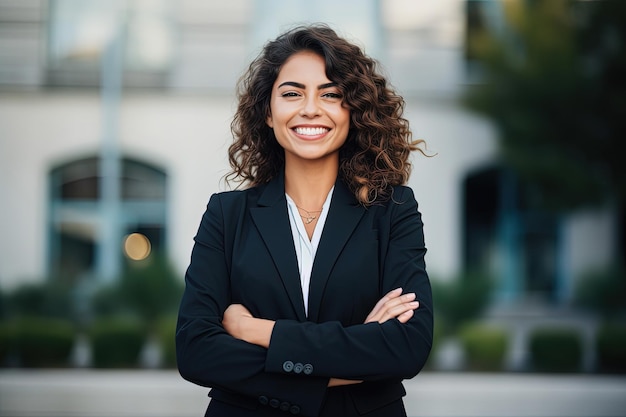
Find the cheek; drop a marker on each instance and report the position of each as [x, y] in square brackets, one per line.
[342, 114]
[345, 120]
[277, 116]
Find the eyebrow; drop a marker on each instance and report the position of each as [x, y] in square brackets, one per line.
[299, 85]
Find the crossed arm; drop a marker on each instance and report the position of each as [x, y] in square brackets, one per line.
[240, 323]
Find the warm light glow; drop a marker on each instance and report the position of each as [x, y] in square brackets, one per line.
[137, 246]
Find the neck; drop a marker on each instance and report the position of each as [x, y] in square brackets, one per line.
[309, 184]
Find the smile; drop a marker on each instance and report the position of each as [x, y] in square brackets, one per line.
[311, 131]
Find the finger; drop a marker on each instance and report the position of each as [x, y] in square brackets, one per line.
[398, 310]
[398, 301]
[391, 295]
[404, 317]
[379, 305]
[388, 306]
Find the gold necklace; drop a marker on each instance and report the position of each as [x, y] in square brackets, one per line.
[308, 219]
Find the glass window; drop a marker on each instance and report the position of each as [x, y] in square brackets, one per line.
[79, 180]
[142, 181]
[75, 216]
[79, 33]
[507, 238]
[359, 20]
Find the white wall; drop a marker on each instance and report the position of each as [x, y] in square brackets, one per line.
[185, 135]
[188, 136]
[459, 143]
[36, 130]
[589, 238]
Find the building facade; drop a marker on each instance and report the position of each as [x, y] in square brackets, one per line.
[114, 122]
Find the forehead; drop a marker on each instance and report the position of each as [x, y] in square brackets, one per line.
[303, 65]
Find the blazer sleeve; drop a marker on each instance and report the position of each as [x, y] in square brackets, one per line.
[206, 354]
[373, 351]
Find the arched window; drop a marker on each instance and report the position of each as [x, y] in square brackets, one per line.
[75, 214]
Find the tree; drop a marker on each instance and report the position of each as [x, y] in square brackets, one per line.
[555, 88]
[148, 289]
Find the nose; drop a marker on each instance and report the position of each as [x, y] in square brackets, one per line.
[310, 107]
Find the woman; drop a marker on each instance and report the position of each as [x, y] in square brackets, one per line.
[307, 291]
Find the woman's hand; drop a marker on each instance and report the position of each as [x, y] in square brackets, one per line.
[338, 382]
[233, 319]
[241, 324]
[393, 305]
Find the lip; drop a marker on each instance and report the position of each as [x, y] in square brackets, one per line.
[313, 132]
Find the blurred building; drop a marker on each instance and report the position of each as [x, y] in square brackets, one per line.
[114, 120]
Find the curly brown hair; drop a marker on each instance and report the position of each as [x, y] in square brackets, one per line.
[375, 156]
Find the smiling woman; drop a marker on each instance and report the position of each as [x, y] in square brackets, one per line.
[307, 114]
[307, 291]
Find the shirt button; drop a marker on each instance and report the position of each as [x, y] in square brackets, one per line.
[297, 368]
[294, 409]
[288, 366]
[284, 406]
[274, 403]
[263, 400]
[308, 369]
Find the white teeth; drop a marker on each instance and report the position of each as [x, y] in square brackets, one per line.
[311, 131]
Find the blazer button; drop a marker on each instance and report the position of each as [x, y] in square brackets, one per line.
[297, 368]
[284, 406]
[288, 366]
[308, 369]
[264, 400]
[274, 403]
[294, 409]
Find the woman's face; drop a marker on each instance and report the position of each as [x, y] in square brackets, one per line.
[306, 110]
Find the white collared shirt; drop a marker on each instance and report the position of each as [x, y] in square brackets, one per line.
[305, 248]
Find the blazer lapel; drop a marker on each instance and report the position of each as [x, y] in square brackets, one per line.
[343, 216]
[271, 219]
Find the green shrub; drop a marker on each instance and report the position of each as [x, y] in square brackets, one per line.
[603, 291]
[3, 306]
[166, 332]
[555, 350]
[461, 300]
[7, 341]
[116, 342]
[151, 288]
[611, 348]
[108, 300]
[43, 342]
[50, 298]
[484, 346]
[148, 289]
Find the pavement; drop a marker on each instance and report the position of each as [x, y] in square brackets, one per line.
[163, 393]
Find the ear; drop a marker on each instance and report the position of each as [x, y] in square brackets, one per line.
[268, 120]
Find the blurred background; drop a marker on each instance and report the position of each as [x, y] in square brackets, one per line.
[114, 128]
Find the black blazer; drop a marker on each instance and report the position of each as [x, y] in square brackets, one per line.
[244, 253]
